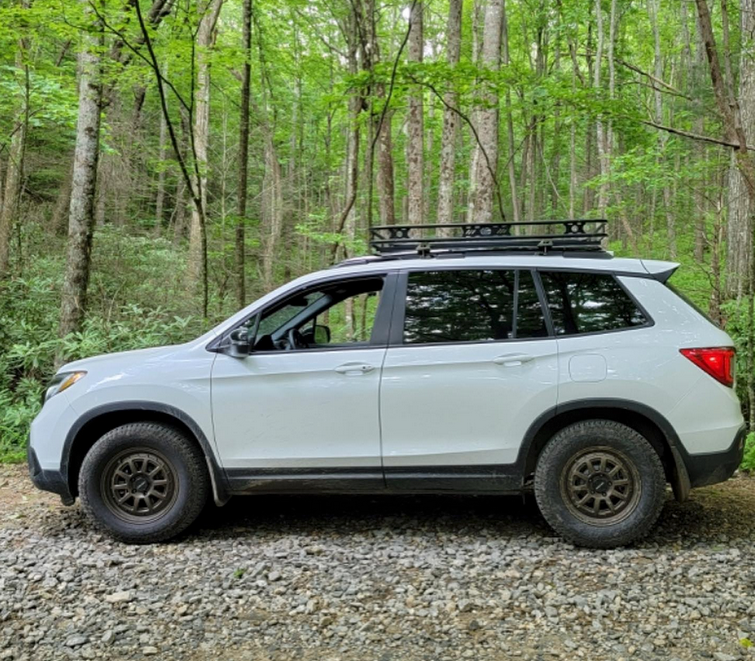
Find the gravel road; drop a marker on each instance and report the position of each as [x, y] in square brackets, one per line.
[383, 579]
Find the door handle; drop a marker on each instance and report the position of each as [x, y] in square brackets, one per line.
[354, 368]
[512, 359]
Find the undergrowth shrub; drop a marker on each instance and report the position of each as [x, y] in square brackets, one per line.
[748, 463]
[137, 299]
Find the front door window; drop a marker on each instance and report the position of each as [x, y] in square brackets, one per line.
[333, 315]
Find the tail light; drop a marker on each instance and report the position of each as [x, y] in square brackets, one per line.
[716, 361]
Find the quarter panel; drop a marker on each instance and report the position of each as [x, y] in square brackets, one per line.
[644, 365]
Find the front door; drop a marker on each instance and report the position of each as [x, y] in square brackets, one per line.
[470, 366]
[302, 408]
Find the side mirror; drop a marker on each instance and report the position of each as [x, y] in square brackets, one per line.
[239, 346]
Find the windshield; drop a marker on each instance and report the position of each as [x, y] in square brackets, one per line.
[279, 318]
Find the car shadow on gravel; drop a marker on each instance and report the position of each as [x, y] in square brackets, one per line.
[359, 513]
[715, 515]
[712, 515]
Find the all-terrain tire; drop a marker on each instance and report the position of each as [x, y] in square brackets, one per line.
[600, 484]
[143, 482]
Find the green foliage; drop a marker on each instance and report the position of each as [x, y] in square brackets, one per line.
[136, 301]
[748, 463]
[302, 84]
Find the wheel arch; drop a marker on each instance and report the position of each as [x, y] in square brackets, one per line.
[95, 423]
[643, 419]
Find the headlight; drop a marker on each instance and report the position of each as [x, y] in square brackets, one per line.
[61, 382]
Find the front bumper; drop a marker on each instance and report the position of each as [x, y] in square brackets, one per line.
[48, 480]
[715, 467]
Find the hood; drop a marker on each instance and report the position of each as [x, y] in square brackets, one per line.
[136, 355]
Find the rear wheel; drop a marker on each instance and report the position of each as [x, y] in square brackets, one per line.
[143, 482]
[600, 484]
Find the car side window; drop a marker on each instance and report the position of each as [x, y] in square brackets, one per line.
[337, 314]
[589, 303]
[352, 319]
[470, 306]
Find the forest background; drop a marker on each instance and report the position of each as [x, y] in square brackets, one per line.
[165, 162]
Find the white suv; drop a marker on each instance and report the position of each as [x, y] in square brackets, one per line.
[491, 363]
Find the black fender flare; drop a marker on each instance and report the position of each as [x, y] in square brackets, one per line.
[680, 481]
[220, 489]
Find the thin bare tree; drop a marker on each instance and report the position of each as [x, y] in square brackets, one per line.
[415, 146]
[449, 138]
[485, 157]
[81, 212]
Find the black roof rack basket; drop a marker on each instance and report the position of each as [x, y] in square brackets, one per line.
[534, 236]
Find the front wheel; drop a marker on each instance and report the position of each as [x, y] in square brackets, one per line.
[600, 484]
[143, 482]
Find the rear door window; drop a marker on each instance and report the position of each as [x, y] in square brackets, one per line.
[589, 303]
[471, 306]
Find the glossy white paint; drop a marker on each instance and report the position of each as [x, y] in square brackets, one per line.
[588, 368]
[448, 405]
[644, 365]
[298, 409]
[48, 430]
[177, 376]
[464, 404]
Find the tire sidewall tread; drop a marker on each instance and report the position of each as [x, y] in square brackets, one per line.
[591, 433]
[190, 471]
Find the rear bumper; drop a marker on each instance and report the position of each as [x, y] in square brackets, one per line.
[715, 467]
[48, 480]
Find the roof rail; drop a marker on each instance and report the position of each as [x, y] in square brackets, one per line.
[541, 236]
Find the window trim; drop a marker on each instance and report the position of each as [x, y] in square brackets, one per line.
[396, 338]
[380, 330]
[649, 321]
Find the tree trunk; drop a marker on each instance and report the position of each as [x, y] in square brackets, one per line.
[179, 212]
[415, 161]
[272, 199]
[15, 169]
[386, 193]
[162, 153]
[587, 192]
[515, 204]
[486, 151]
[653, 8]
[450, 119]
[739, 236]
[352, 146]
[478, 12]
[699, 202]
[81, 213]
[59, 217]
[573, 135]
[201, 135]
[241, 195]
[600, 133]
[734, 132]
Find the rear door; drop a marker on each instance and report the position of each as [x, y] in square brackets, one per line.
[470, 365]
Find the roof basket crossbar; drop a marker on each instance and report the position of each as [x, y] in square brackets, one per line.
[540, 236]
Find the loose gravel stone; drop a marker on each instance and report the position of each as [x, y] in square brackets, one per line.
[377, 579]
[119, 597]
